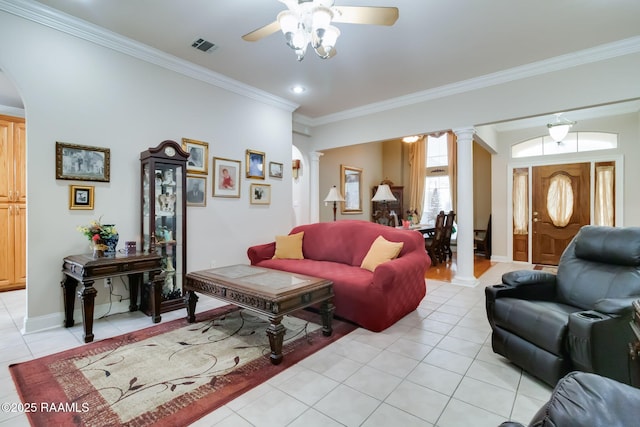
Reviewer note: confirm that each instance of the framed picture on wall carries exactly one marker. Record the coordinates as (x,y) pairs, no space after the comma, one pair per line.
(81,197)
(196,190)
(260,194)
(351,183)
(275,170)
(198,161)
(82,162)
(254,164)
(226,177)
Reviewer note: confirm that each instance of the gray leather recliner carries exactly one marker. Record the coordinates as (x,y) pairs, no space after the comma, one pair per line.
(588,400)
(578,319)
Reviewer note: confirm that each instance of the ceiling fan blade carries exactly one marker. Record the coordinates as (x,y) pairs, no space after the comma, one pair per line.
(365,15)
(261,32)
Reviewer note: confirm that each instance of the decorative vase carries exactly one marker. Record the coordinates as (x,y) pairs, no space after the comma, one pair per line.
(111,243)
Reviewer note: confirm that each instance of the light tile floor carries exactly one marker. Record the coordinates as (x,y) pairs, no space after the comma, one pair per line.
(435,367)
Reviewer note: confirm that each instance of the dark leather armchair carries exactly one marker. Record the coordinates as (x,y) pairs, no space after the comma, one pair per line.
(576,320)
(582,399)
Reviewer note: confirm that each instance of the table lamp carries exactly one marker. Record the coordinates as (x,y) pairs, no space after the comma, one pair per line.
(334,197)
(384,195)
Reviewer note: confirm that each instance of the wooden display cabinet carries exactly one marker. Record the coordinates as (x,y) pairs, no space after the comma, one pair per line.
(163,220)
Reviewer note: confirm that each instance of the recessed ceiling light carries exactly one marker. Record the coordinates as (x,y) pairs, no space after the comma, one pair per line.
(297,89)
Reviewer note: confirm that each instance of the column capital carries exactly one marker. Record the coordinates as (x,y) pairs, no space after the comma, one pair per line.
(315,156)
(465,133)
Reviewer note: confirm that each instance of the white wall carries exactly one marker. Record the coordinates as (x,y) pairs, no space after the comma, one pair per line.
(77,92)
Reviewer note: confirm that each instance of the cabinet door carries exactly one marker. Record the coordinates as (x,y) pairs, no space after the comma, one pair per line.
(6,160)
(6,246)
(20,245)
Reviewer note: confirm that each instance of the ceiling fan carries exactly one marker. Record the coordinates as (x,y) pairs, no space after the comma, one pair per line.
(309,22)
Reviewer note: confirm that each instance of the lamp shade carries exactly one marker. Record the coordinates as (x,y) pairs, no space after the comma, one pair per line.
(334,196)
(559,129)
(383,194)
(558,132)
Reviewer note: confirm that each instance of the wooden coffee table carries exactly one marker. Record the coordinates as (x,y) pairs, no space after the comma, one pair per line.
(272,293)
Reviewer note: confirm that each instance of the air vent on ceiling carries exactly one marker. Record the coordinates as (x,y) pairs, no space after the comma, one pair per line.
(203,45)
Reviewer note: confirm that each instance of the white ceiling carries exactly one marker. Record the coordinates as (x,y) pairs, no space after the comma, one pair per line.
(434,42)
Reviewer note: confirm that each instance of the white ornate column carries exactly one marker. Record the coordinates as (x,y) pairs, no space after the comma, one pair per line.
(314,186)
(464,211)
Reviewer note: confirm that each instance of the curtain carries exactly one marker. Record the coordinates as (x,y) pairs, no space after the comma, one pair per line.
(560,200)
(418,172)
(604,196)
(520,202)
(452,154)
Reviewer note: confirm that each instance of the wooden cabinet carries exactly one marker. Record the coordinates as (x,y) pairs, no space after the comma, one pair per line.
(164,220)
(13,203)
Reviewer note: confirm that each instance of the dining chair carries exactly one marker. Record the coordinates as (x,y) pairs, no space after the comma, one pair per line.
(433,243)
(482,240)
(446,239)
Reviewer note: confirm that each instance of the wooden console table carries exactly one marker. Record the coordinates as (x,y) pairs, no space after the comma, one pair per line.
(84,270)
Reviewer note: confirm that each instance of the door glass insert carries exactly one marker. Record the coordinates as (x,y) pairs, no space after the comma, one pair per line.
(560,200)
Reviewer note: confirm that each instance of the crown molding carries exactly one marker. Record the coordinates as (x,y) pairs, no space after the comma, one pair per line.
(586,56)
(52,18)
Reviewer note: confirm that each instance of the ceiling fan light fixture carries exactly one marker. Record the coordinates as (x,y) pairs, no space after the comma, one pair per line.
(321,18)
(301,52)
(309,22)
(290,27)
(328,42)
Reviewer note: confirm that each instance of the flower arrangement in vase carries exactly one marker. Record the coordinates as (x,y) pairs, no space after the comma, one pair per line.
(103,237)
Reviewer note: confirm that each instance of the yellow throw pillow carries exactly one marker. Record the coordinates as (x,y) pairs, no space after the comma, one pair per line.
(381,250)
(289,247)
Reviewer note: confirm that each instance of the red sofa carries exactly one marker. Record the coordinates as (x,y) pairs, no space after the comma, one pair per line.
(335,250)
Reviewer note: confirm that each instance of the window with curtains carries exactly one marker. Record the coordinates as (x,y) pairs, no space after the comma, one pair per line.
(437,189)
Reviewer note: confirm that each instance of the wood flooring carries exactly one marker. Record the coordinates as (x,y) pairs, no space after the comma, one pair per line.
(445,271)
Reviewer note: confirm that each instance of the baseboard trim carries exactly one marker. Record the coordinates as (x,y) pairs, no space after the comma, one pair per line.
(469,282)
(56,320)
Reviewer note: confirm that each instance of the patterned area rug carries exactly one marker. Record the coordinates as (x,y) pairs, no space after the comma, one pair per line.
(550,268)
(172,374)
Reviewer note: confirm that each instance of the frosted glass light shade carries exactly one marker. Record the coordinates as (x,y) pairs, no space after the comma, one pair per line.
(383,194)
(558,132)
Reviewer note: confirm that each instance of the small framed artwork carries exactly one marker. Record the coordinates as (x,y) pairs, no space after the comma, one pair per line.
(260,194)
(81,197)
(350,181)
(254,164)
(196,190)
(275,170)
(198,161)
(226,177)
(82,162)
